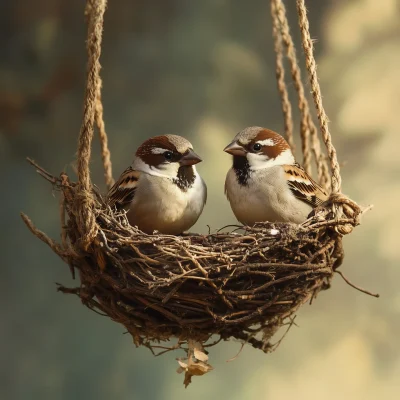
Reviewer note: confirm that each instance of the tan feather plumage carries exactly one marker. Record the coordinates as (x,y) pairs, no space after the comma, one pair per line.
(303,186)
(123,190)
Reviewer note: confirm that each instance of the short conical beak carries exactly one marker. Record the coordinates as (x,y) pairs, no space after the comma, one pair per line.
(190,158)
(235,149)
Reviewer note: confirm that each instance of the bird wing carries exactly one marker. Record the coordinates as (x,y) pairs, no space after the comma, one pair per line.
(303,186)
(123,191)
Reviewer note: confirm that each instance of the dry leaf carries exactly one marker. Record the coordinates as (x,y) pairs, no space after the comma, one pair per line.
(196,363)
(195,369)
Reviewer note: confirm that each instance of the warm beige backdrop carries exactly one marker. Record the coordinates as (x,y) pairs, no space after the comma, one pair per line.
(203,69)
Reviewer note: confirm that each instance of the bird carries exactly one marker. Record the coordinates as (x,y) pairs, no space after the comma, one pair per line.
(161,190)
(265,183)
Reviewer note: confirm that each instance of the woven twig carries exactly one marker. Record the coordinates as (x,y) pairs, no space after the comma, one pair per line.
(193,286)
(241,285)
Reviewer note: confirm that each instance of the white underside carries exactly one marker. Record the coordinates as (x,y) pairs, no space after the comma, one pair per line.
(160,205)
(265,198)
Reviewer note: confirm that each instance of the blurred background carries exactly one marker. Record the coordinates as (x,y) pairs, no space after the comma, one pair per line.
(205,70)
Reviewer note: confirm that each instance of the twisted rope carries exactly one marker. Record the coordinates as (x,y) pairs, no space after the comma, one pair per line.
(280,20)
(316,92)
(95,12)
(307,126)
(105,152)
(280,78)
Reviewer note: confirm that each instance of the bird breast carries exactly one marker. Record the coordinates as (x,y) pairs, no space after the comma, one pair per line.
(159,204)
(265,197)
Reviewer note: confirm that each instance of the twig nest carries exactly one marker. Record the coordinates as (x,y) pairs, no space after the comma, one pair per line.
(242,285)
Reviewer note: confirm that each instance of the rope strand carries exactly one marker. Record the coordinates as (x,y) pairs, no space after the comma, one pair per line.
(306,119)
(280,15)
(280,78)
(95,28)
(105,152)
(316,92)
(88,226)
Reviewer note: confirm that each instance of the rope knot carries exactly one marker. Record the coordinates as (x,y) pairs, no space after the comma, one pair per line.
(343,208)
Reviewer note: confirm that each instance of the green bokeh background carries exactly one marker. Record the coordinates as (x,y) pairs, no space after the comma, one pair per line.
(204,70)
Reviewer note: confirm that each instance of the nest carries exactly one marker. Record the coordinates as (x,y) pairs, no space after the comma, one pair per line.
(242,284)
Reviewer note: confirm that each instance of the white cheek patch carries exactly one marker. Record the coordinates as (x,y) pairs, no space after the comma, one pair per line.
(286,157)
(158,150)
(257,161)
(170,169)
(266,142)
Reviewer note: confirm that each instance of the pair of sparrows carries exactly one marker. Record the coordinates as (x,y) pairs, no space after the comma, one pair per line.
(163,192)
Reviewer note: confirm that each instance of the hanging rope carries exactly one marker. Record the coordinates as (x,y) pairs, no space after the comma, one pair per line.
(316,92)
(280,78)
(95,11)
(105,152)
(280,20)
(93,87)
(307,126)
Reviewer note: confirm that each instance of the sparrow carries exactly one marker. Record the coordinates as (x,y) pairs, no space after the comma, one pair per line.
(265,182)
(161,190)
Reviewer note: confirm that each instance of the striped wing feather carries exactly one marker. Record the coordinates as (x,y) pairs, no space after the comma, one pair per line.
(303,186)
(123,191)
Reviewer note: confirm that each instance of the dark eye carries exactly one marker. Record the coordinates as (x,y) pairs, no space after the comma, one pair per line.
(257,146)
(168,155)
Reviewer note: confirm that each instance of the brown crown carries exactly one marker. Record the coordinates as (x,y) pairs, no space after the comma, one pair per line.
(162,142)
